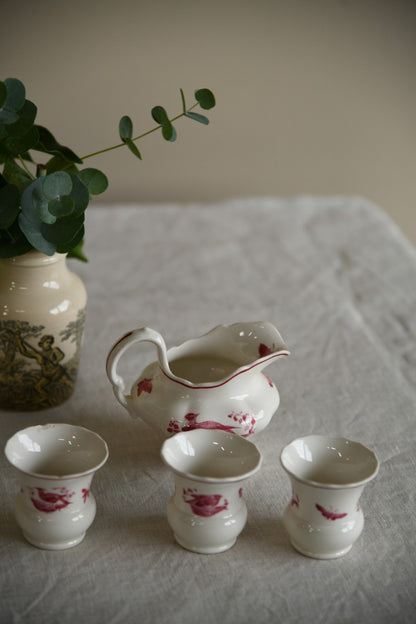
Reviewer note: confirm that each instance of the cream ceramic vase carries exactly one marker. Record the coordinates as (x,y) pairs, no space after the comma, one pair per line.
(42,317)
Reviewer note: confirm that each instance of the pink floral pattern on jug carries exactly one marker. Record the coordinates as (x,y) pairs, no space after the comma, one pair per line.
(205,505)
(265,350)
(145,385)
(245,424)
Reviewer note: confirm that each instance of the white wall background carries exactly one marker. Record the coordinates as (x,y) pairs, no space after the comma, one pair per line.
(314,96)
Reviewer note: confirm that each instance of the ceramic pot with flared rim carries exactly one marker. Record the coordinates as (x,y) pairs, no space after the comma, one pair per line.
(56,464)
(328,475)
(207,511)
(42,319)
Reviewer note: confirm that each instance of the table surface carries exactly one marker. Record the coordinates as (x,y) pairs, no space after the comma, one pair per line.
(338,279)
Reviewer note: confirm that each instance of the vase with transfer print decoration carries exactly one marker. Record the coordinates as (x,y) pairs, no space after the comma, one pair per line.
(42,317)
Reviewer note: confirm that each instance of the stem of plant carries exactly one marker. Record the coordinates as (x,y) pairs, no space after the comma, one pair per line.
(140,136)
(26,168)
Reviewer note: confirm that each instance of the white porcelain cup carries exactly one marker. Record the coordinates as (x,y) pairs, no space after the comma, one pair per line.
(328,474)
(207,511)
(56,464)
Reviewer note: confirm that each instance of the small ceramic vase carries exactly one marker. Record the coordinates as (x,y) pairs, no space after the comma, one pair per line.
(56,464)
(41,327)
(207,511)
(328,474)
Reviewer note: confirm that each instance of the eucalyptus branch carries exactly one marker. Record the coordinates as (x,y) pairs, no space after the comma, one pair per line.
(140,136)
(45,210)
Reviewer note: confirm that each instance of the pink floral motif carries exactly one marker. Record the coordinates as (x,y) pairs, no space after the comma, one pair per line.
(205,505)
(295,500)
(329,514)
(269,381)
(265,350)
(85,494)
(246,422)
(145,385)
(191,423)
(205,424)
(173,426)
(49,501)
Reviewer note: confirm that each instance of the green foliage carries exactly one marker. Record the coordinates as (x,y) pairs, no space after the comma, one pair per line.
(42,205)
(161,117)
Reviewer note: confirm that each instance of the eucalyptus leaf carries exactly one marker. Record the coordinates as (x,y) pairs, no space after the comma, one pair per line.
(9,205)
(159,114)
(33,202)
(8,116)
(3,94)
(94,179)
(47,143)
(16,145)
(183,101)
(31,226)
(25,121)
(78,252)
(63,231)
(133,148)
(59,163)
(80,195)
(169,133)
(13,242)
(16,93)
(125,128)
(56,184)
(13,102)
(61,207)
(197,117)
(72,242)
(28,201)
(40,203)
(206,98)
(44,213)
(14,174)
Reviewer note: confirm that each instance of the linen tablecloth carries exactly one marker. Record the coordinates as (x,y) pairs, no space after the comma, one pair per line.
(338,280)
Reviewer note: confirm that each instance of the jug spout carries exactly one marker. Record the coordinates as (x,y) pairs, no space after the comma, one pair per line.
(225,352)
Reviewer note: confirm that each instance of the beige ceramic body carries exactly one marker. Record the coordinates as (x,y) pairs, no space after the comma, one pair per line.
(215,381)
(328,475)
(42,318)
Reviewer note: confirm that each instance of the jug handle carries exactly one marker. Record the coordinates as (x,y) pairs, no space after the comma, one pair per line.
(143,334)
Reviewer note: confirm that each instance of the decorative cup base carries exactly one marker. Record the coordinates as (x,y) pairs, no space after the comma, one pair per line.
(205,550)
(54,545)
(322,555)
